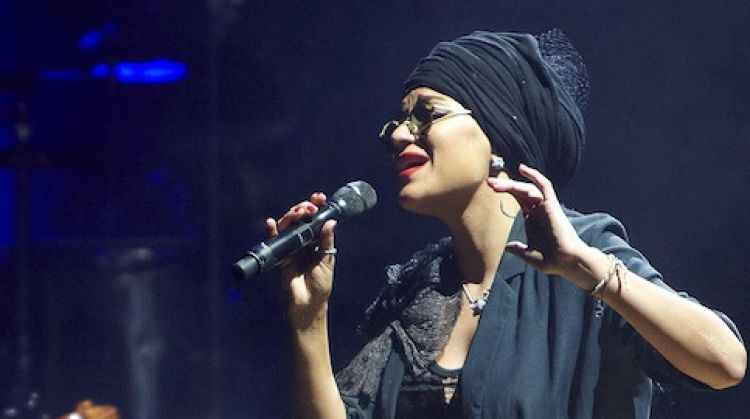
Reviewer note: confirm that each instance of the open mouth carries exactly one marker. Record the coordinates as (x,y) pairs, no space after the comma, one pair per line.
(408,163)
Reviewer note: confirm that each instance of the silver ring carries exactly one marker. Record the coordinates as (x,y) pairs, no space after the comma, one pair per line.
(332,251)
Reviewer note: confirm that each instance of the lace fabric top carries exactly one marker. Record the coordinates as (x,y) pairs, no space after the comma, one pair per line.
(430,395)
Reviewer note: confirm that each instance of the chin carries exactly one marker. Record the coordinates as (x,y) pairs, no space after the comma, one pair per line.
(407,201)
(412,199)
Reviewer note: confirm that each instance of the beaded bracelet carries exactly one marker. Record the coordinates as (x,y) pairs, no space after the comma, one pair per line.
(615,265)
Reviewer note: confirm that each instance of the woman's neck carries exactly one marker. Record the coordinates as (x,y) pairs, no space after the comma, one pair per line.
(480,232)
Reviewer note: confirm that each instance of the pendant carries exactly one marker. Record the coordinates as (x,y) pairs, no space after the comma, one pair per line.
(477,306)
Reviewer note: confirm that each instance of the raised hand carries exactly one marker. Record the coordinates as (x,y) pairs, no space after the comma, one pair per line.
(553,244)
(308,274)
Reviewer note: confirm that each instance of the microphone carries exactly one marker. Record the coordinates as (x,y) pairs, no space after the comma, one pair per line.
(350,200)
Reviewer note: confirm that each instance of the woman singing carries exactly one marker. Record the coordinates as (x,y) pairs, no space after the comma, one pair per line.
(527,309)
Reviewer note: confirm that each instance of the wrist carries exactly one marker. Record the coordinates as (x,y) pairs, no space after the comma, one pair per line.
(576,260)
(309,319)
(310,342)
(587,267)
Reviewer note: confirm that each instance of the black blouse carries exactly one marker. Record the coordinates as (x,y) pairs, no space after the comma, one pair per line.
(545,349)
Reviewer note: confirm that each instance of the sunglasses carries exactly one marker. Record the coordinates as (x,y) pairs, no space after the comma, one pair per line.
(423,115)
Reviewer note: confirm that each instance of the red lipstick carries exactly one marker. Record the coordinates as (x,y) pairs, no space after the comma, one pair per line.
(410,162)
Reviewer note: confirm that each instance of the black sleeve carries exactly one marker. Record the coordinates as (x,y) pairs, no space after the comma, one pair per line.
(608,235)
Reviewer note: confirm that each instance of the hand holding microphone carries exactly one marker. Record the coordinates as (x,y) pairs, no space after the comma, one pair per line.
(350,200)
(306,274)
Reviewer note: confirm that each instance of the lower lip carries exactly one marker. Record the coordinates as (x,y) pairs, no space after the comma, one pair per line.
(409,171)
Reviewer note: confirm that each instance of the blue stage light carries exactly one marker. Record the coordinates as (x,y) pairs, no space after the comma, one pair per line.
(90,41)
(100,71)
(150,72)
(93,39)
(144,72)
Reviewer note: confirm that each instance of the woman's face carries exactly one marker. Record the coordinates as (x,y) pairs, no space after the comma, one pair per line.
(442,166)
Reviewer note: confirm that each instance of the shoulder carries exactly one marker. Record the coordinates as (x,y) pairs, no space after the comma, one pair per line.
(590,227)
(608,234)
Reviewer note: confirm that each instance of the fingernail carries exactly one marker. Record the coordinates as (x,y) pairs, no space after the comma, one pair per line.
(517,245)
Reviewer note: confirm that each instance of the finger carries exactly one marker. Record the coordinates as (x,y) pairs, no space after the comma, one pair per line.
(527,194)
(541,181)
(326,243)
(318,198)
(271,227)
(287,219)
(515,188)
(528,255)
(326,236)
(296,213)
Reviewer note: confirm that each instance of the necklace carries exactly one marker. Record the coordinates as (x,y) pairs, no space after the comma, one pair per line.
(477,304)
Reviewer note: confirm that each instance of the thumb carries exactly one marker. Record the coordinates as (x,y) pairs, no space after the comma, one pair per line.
(533,257)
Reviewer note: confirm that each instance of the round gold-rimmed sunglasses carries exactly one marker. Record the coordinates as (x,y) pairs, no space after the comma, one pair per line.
(421,117)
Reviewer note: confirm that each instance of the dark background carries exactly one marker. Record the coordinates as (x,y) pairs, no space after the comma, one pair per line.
(125,205)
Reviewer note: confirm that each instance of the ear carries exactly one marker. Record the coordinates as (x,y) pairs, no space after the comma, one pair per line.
(497,165)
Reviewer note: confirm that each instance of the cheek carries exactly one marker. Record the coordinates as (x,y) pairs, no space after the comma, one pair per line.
(467,156)
(469,169)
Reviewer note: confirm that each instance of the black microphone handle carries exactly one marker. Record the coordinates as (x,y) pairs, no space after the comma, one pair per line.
(267,255)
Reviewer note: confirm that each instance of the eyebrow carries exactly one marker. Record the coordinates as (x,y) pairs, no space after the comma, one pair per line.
(424,98)
(430,97)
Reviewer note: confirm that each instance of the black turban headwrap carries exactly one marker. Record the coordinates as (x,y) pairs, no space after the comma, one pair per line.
(525,93)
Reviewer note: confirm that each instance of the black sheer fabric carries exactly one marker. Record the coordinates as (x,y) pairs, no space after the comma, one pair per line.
(417,311)
(430,395)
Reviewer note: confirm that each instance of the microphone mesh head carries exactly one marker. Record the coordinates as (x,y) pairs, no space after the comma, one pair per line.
(355,197)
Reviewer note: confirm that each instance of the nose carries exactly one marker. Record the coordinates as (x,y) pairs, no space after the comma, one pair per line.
(401,137)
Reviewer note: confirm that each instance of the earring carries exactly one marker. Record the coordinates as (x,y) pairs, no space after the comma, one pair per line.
(505,213)
(497,164)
